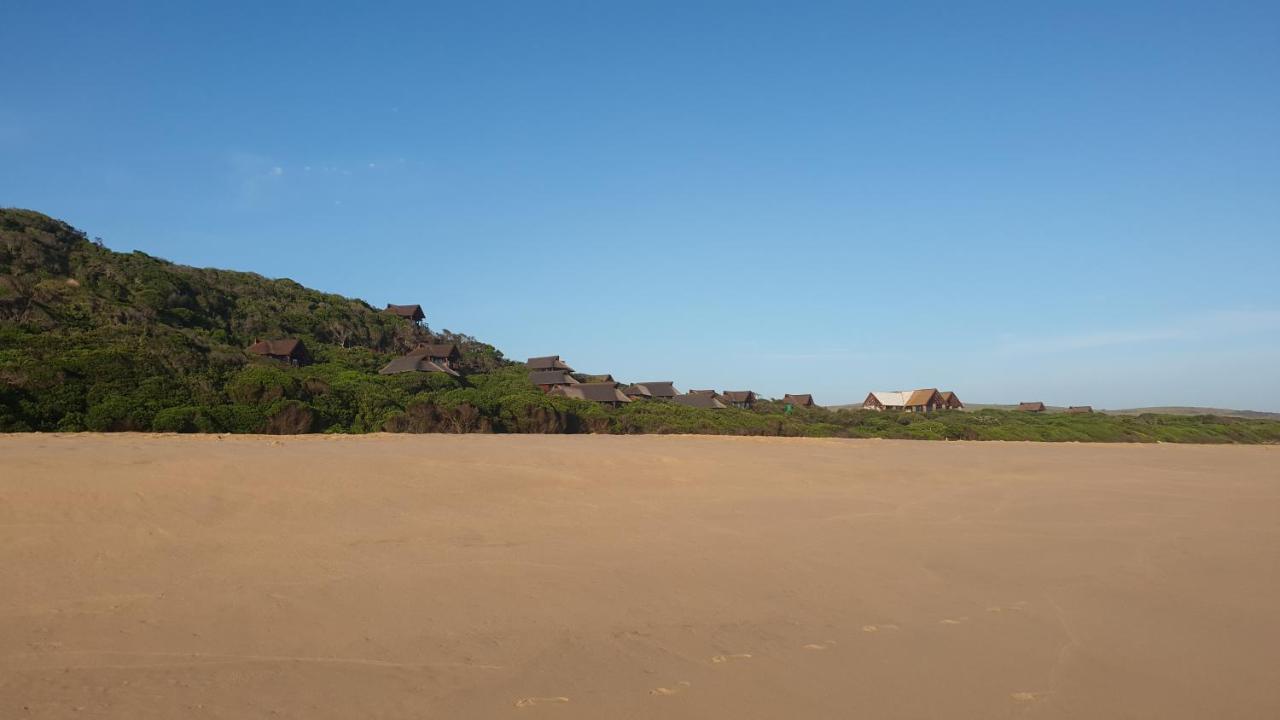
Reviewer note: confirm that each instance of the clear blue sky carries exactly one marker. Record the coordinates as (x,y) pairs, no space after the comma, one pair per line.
(1074,202)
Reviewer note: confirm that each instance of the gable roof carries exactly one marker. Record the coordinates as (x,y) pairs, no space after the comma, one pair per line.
(436,350)
(923,398)
(805,400)
(1036,406)
(892,398)
(548,362)
(589,378)
(662,389)
(409,312)
(551,377)
(1080,409)
(595,392)
(950,399)
(704,400)
(739,396)
(284,347)
(414,363)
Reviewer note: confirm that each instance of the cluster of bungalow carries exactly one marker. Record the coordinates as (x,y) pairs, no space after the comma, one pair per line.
(555,377)
(924,400)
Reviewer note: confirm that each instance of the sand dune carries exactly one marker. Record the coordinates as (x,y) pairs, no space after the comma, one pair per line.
(635,577)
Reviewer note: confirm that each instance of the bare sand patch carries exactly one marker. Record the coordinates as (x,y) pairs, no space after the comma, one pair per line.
(598,577)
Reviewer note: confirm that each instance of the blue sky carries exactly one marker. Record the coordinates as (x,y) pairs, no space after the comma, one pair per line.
(1074,202)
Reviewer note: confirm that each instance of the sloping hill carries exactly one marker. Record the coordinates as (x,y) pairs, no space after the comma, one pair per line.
(96,339)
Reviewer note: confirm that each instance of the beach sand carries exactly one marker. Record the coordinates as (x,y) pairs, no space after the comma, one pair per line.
(635,577)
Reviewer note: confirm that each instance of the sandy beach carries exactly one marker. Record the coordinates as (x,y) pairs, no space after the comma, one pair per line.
(635,577)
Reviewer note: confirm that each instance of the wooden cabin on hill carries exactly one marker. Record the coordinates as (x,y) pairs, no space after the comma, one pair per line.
(416,363)
(744,399)
(1080,409)
(412,313)
(805,401)
(546,380)
(286,350)
(548,362)
(704,399)
(446,354)
(923,400)
(950,401)
(585,378)
(1036,406)
(605,393)
(663,390)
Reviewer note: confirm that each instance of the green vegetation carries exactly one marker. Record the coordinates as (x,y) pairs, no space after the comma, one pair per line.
(92,339)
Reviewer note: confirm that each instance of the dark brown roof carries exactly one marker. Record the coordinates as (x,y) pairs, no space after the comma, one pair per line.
(1031,406)
(705,400)
(285,347)
(604,392)
(950,400)
(739,396)
(414,363)
(589,378)
(549,362)
(551,377)
(661,389)
(636,391)
(408,312)
(436,350)
(1080,409)
(805,400)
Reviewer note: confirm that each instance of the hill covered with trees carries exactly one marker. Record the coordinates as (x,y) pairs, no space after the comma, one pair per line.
(92,339)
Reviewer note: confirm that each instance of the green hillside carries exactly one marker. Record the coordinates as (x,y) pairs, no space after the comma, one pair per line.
(92,339)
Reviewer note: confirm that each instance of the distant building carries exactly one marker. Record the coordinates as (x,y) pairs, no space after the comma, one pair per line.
(605,393)
(445,354)
(287,350)
(416,363)
(412,313)
(805,400)
(548,362)
(950,401)
(548,379)
(1080,409)
(1031,406)
(924,400)
(705,399)
(744,399)
(664,390)
(589,378)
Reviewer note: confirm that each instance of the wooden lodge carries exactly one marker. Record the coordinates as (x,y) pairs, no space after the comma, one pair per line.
(446,354)
(1080,409)
(412,313)
(705,399)
(950,401)
(546,380)
(605,393)
(923,400)
(548,362)
(663,390)
(744,399)
(805,401)
(286,350)
(1036,406)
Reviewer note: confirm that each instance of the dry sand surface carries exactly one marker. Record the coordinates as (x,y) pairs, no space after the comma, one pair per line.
(635,577)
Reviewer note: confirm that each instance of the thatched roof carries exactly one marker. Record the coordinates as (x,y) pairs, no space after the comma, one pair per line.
(660,389)
(602,392)
(551,377)
(284,347)
(408,312)
(705,400)
(415,363)
(738,396)
(448,351)
(1080,409)
(548,362)
(805,400)
(923,398)
(1036,406)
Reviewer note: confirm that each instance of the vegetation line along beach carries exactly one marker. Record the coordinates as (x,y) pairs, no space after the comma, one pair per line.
(92,339)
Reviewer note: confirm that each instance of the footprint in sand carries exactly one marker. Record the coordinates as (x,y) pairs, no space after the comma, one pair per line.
(670,691)
(727,658)
(878,628)
(821,646)
(949,621)
(531,701)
